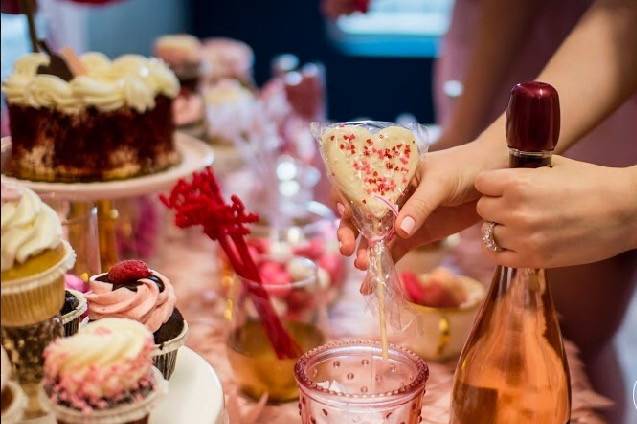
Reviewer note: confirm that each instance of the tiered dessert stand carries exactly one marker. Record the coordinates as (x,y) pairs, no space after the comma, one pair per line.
(195,394)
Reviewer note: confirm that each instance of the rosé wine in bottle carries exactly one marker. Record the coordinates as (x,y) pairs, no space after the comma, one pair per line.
(513,367)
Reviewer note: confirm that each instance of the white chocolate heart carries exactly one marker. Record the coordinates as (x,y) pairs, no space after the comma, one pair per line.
(370,167)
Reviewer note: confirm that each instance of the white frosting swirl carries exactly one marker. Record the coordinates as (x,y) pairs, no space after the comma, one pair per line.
(103,94)
(106,358)
(97,63)
(29,227)
(130,80)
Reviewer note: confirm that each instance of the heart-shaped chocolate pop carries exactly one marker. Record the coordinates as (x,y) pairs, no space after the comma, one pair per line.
(367,167)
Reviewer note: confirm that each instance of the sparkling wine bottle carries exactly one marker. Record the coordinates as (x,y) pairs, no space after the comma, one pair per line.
(513,367)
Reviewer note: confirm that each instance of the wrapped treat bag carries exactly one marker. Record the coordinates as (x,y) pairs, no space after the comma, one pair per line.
(373,166)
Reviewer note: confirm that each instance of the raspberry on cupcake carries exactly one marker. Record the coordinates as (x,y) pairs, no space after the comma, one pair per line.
(132,290)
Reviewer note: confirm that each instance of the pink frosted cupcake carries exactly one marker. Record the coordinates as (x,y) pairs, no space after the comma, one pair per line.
(227,58)
(103,374)
(183,54)
(131,290)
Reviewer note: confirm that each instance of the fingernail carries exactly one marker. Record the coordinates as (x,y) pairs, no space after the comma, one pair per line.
(340,208)
(340,245)
(408,224)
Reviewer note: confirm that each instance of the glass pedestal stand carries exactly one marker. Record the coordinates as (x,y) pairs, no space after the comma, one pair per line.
(25,345)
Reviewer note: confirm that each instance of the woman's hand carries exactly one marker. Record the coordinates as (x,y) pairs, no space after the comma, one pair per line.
(443,203)
(568,214)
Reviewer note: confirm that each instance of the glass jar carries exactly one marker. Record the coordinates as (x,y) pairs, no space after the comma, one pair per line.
(299,304)
(349,381)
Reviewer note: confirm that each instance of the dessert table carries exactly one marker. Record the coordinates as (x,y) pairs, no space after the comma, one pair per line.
(191,264)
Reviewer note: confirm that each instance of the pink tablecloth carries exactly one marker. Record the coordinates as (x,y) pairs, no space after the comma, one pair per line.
(190,263)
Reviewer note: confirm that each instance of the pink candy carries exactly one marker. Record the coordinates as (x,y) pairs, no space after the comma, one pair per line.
(74,282)
(275,278)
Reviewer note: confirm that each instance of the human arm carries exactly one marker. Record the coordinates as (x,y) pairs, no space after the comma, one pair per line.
(500,33)
(594,72)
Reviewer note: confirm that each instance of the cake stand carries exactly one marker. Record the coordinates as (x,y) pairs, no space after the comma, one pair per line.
(194,155)
(195,395)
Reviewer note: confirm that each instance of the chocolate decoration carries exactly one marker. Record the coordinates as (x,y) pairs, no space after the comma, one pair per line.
(28,7)
(57,65)
(103,278)
(157,280)
(132,285)
(533,117)
(70,303)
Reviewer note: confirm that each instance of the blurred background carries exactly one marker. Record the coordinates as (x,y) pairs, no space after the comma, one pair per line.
(360,52)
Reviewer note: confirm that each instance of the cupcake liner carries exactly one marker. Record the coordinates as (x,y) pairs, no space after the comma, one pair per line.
(13,413)
(117,415)
(165,355)
(71,321)
(37,297)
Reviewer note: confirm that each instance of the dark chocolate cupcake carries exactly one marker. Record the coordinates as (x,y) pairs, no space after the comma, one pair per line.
(72,311)
(131,290)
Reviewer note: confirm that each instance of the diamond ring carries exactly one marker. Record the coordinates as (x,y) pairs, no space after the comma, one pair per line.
(487,237)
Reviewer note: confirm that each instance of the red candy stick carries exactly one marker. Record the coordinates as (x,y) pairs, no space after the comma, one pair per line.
(201,203)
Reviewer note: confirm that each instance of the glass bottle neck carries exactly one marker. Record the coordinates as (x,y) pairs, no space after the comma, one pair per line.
(522,159)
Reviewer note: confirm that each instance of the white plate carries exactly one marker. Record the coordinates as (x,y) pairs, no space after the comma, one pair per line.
(194,155)
(195,395)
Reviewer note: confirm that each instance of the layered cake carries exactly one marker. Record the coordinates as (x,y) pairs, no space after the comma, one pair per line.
(112,120)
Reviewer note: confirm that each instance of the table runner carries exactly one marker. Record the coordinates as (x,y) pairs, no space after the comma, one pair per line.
(190,262)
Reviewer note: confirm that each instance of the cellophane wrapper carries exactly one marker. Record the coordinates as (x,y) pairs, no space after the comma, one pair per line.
(374,214)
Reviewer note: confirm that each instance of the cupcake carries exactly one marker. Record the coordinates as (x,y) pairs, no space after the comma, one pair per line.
(103,374)
(231,110)
(13,399)
(131,290)
(227,58)
(183,55)
(182,52)
(34,259)
(72,311)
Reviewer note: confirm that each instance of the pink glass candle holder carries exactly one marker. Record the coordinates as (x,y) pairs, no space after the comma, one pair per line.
(348,381)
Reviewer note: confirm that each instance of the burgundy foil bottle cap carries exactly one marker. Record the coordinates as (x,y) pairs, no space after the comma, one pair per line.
(533,117)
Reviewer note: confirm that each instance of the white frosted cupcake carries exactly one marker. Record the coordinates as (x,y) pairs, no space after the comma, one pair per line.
(230,111)
(103,374)
(34,258)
